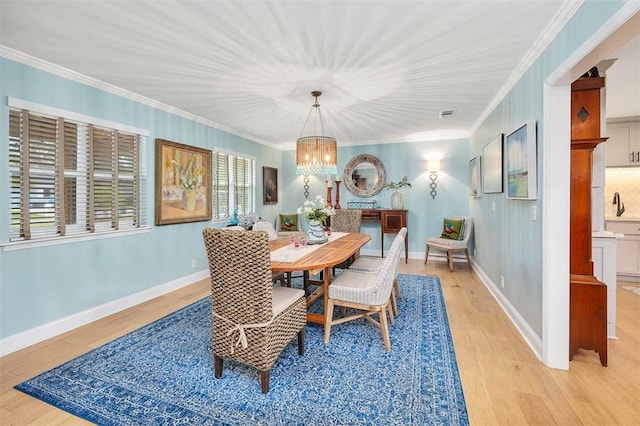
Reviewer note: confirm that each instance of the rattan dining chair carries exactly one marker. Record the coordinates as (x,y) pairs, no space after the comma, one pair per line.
(368,293)
(253,320)
(346,220)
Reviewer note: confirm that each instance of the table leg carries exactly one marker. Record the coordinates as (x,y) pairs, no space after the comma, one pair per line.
(319,318)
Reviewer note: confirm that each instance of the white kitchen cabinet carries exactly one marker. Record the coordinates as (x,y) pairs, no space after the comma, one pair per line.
(628,250)
(623,145)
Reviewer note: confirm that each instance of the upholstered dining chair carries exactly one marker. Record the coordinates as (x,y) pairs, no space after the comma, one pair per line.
(253,321)
(346,220)
(452,245)
(368,293)
(373,265)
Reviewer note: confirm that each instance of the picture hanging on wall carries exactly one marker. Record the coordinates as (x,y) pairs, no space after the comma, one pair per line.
(475,176)
(521,162)
(270,185)
(183,183)
(492,172)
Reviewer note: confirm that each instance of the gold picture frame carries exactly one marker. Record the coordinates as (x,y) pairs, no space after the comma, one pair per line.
(183,183)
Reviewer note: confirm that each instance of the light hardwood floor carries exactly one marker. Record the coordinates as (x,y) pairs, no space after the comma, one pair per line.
(503,382)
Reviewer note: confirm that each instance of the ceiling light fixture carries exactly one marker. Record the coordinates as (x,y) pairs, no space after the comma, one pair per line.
(315,155)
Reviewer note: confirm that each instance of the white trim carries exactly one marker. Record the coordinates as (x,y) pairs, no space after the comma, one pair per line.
(38,334)
(49,67)
(530,337)
(556,177)
(564,14)
(620,28)
(59,112)
(53,241)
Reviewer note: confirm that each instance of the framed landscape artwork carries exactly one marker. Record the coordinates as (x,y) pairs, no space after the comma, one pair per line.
(183,183)
(270,185)
(521,162)
(474,176)
(492,173)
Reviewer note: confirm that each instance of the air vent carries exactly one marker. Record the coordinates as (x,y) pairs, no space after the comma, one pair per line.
(445,113)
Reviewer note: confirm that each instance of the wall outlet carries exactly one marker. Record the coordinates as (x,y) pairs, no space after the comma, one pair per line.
(534,213)
(502,280)
(493,206)
(193,263)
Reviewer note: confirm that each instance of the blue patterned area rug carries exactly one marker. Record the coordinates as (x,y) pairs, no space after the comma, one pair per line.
(162,374)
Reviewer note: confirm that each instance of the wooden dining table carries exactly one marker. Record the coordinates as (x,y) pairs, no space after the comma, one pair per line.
(323,259)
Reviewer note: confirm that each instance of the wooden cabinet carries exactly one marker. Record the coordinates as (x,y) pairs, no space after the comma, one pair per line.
(628,252)
(623,146)
(390,223)
(588,295)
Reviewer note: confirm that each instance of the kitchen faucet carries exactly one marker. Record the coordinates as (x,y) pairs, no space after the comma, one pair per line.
(616,200)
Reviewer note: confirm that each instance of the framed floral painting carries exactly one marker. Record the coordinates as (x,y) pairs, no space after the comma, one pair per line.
(183,183)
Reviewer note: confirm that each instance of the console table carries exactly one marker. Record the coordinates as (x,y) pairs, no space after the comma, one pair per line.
(390,223)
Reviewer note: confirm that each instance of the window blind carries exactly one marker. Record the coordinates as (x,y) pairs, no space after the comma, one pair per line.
(233,184)
(69,177)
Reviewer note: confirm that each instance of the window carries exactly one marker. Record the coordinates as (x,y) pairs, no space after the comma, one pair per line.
(233,184)
(70,177)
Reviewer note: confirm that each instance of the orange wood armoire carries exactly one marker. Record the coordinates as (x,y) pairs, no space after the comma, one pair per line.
(588,295)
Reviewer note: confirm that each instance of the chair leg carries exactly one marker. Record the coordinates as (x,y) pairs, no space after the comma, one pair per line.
(301,342)
(396,286)
(384,327)
(394,303)
(328,317)
(390,310)
(450,258)
(264,380)
(466,251)
(426,254)
(217,364)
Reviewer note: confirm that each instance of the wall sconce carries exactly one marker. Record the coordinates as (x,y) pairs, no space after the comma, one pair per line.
(433,166)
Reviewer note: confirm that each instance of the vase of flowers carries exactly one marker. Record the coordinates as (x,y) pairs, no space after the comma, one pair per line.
(189,178)
(397,197)
(316,212)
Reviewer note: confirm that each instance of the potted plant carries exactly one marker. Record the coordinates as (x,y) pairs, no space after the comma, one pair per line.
(397,197)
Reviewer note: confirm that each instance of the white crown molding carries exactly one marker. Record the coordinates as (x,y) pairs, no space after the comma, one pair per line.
(560,19)
(23,58)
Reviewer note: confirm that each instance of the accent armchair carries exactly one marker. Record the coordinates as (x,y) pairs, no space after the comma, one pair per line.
(452,245)
(253,321)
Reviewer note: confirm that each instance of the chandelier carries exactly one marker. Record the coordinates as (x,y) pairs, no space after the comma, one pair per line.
(317,154)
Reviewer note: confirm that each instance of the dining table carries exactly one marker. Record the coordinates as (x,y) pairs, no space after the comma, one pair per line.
(313,259)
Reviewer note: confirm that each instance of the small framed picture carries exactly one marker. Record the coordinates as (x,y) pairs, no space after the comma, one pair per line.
(270,185)
(520,162)
(475,176)
(492,171)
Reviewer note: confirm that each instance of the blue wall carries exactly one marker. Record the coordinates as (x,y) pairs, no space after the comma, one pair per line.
(508,241)
(40,285)
(399,159)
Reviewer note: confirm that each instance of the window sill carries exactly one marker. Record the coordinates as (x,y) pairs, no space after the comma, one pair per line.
(45,242)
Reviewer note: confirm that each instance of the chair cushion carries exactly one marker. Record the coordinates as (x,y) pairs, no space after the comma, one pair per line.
(267,227)
(283,297)
(453,229)
(288,222)
(367,264)
(353,286)
(446,243)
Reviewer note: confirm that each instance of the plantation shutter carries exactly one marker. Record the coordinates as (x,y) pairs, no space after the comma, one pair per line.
(69,178)
(243,184)
(220,172)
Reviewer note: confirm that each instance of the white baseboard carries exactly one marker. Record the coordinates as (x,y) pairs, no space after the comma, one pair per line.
(38,334)
(530,337)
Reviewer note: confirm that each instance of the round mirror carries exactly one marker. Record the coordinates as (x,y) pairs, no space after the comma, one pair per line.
(364,175)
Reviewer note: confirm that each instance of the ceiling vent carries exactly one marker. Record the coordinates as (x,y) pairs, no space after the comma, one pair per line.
(445,113)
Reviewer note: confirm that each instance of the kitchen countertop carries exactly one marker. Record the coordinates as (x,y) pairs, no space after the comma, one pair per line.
(622,219)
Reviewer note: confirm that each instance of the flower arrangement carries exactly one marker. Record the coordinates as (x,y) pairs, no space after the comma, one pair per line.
(188,174)
(397,185)
(316,209)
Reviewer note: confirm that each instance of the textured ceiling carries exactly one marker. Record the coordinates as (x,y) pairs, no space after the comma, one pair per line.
(386,68)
